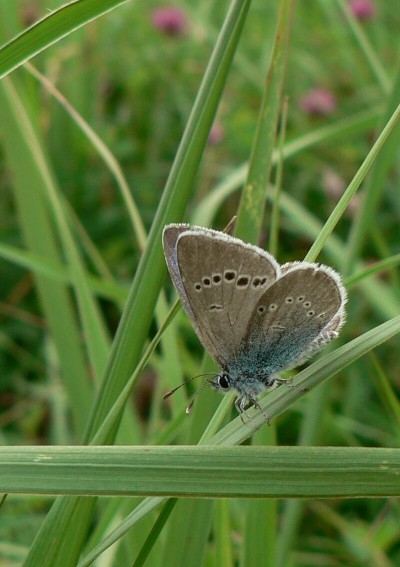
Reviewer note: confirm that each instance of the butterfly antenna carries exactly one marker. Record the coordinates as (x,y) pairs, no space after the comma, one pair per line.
(168,394)
(230,225)
(190,406)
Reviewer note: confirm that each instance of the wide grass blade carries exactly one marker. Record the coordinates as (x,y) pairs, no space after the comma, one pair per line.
(202,472)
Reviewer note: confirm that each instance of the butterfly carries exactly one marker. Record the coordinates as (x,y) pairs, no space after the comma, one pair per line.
(254,316)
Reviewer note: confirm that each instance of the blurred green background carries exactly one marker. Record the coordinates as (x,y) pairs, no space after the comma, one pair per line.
(133,75)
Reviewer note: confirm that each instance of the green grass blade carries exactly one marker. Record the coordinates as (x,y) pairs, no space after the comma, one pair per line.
(115,413)
(259,536)
(203,471)
(21,128)
(375,185)
(378,267)
(275,207)
(59,273)
(107,156)
(253,196)
(147,506)
(365,46)
(93,325)
(352,188)
(51,29)
(153,535)
(222,531)
(38,232)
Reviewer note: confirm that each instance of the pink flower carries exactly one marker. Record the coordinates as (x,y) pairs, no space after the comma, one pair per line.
(216,134)
(318,101)
(333,184)
(362,9)
(171,21)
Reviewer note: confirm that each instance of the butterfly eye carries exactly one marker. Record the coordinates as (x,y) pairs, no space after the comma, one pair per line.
(224,381)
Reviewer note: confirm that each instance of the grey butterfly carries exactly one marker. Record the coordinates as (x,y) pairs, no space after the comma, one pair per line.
(255,317)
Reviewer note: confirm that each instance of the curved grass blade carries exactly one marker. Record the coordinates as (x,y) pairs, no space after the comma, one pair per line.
(51,29)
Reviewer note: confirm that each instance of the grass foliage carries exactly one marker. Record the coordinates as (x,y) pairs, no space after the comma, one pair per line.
(115,119)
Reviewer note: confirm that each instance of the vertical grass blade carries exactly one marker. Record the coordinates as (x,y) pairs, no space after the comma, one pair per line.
(375,184)
(137,315)
(37,228)
(253,197)
(352,188)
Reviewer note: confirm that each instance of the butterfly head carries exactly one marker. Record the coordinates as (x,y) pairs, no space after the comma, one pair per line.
(223,382)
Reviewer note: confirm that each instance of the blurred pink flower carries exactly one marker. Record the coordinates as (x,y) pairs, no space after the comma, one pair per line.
(334,186)
(216,134)
(318,101)
(171,21)
(362,9)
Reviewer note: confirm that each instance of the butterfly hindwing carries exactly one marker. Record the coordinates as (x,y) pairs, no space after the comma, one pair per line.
(292,314)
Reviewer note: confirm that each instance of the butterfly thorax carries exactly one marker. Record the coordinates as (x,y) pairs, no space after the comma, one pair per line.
(249,383)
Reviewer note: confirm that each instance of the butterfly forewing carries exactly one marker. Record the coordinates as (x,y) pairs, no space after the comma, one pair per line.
(220,282)
(170,237)
(291,314)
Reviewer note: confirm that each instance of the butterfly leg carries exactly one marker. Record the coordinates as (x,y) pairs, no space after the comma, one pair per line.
(257,405)
(241,404)
(288,382)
